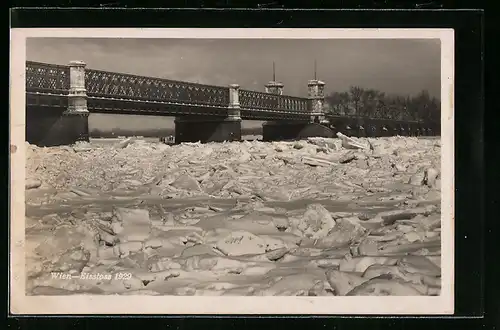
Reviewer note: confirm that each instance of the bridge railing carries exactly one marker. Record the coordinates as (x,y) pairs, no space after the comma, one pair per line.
(265,101)
(127,86)
(47,78)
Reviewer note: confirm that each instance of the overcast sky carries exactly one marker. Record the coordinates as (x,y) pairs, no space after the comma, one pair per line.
(393,66)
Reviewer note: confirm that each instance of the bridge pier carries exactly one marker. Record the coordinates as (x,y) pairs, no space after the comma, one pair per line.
(317,126)
(375,127)
(70,128)
(361,128)
(386,128)
(278,130)
(372,130)
(197,128)
(51,123)
(54,126)
(209,128)
(347,126)
(403,130)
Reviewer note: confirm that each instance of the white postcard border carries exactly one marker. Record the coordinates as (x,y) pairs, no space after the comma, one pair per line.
(22,304)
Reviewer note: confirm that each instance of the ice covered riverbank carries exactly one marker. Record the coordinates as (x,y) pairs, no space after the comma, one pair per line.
(246,218)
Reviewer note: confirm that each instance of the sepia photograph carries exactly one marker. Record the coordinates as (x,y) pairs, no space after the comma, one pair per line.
(292,171)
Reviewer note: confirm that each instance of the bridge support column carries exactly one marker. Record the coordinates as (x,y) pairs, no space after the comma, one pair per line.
(75,120)
(59,126)
(209,128)
(317,126)
(288,130)
(316,95)
(206,129)
(233,112)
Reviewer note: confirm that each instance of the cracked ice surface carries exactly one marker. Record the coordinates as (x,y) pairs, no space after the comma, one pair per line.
(312,217)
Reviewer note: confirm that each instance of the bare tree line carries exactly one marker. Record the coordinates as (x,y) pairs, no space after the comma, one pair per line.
(361,102)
